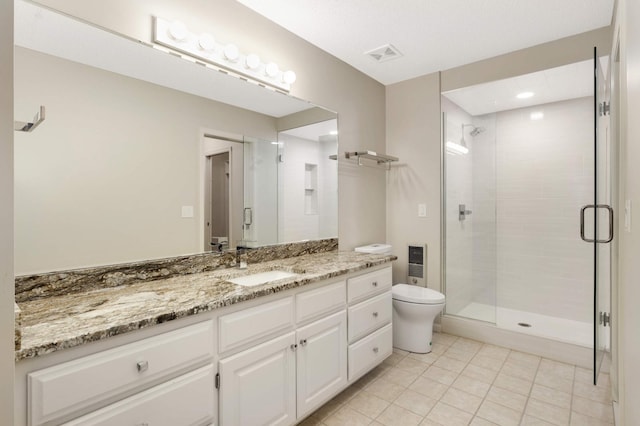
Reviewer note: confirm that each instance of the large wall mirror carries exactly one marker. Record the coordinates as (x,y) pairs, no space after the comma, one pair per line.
(145,155)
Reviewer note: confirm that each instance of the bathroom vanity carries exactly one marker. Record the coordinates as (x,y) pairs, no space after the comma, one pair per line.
(196,349)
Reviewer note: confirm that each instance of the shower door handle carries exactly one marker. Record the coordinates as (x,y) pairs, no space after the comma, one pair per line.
(596,207)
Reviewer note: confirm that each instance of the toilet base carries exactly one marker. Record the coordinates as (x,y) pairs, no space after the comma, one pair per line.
(413,326)
(417,340)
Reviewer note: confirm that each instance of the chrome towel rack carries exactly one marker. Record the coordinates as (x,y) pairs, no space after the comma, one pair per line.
(371,155)
(21,126)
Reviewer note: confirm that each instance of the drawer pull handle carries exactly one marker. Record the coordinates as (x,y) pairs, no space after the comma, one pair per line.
(303,342)
(375,350)
(142,366)
(375,315)
(294,347)
(375,283)
(143,424)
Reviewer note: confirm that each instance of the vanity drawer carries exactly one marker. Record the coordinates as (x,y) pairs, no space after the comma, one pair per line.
(187,400)
(370,351)
(367,285)
(369,315)
(72,386)
(321,301)
(249,325)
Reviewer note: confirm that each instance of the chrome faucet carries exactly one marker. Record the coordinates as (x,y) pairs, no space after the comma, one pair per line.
(241,257)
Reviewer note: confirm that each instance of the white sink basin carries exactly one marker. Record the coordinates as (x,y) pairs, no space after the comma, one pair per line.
(261,278)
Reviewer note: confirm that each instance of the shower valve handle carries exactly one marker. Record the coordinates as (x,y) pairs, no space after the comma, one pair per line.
(463,212)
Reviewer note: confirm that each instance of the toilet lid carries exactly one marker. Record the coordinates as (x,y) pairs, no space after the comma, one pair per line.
(416,294)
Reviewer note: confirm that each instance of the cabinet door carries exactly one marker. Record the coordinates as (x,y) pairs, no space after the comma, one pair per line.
(322,361)
(258,385)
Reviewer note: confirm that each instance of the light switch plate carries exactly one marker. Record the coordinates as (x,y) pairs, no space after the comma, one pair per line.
(422,210)
(187,211)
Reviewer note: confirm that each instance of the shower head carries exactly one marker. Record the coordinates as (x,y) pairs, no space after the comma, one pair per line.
(476,131)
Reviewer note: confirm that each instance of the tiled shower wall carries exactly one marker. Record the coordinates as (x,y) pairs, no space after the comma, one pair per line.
(544,175)
(525,181)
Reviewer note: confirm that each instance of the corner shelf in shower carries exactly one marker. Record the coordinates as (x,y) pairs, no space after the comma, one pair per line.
(371,155)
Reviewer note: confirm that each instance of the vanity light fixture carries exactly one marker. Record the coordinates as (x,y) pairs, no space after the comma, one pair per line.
(252,61)
(271,70)
(178,30)
(231,52)
(207,42)
(525,95)
(537,115)
(224,57)
(289,77)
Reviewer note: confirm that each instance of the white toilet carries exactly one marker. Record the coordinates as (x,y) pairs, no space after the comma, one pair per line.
(414,309)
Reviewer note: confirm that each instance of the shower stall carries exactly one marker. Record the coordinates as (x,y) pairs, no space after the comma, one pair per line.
(525,194)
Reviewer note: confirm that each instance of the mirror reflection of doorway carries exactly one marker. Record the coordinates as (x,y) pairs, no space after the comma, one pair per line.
(217,184)
(222,181)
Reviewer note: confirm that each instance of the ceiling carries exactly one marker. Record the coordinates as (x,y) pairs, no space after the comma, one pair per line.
(431,35)
(551,85)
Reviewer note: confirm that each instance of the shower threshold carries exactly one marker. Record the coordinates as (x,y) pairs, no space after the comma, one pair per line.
(561,329)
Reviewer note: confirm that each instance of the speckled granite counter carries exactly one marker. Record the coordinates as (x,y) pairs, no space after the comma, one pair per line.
(51,323)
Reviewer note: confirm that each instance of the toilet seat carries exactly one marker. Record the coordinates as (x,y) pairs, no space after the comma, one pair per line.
(416,294)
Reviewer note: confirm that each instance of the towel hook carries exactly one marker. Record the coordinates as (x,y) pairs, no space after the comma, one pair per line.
(21,126)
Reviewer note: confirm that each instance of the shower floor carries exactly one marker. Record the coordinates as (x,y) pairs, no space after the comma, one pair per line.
(561,329)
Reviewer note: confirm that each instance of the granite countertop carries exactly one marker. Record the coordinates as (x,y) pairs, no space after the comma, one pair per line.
(49,324)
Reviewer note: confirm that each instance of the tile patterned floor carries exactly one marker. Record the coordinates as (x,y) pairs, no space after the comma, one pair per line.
(465,382)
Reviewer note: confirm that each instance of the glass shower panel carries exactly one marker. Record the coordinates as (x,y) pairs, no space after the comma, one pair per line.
(470,215)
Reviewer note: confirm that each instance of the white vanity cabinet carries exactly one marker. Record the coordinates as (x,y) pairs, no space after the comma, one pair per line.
(61,391)
(287,377)
(370,312)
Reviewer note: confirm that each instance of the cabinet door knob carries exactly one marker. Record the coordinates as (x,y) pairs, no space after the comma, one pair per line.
(303,342)
(142,366)
(375,315)
(374,283)
(375,350)
(294,347)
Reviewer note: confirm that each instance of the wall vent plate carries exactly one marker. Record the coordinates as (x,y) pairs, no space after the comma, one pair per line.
(417,256)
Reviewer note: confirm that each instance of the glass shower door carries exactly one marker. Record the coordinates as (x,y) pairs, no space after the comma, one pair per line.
(603,220)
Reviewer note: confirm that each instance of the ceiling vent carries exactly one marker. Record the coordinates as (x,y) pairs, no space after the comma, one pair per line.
(384,53)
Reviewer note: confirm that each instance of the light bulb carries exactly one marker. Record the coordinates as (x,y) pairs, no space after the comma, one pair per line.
(272,69)
(525,95)
(206,42)
(231,52)
(178,30)
(252,61)
(289,77)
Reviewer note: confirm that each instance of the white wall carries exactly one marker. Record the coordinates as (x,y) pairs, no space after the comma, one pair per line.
(6,212)
(322,79)
(413,135)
